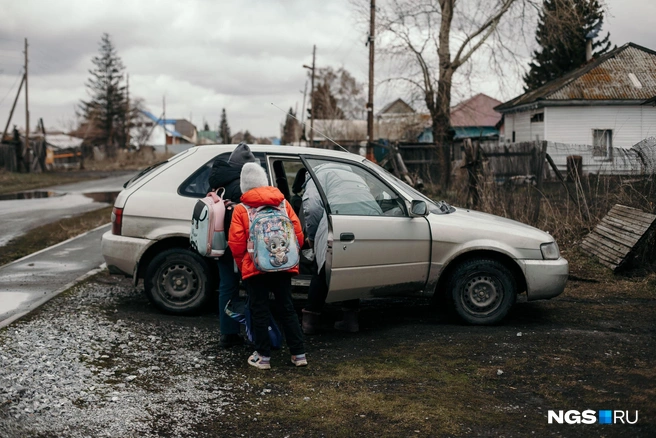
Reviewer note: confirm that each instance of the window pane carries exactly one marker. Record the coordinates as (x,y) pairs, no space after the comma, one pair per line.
(352,190)
(602,142)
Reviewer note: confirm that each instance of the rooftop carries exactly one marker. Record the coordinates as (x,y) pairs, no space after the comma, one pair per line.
(627,73)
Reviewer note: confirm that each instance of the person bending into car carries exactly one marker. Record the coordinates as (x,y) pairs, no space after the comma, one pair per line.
(258,193)
(226,174)
(349,194)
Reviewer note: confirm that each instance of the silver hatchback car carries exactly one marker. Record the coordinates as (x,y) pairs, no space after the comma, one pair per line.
(478,262)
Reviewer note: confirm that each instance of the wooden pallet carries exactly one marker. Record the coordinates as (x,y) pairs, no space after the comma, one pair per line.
(618,235)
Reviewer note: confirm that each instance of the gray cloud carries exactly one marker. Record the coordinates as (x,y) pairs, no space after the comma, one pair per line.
(204,55)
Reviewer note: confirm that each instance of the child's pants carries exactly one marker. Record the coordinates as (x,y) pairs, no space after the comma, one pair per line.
(258,287)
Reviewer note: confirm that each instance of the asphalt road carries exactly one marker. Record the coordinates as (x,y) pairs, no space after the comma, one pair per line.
(29,282)
(19,216)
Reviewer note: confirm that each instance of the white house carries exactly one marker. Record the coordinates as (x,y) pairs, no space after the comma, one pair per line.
(607,103)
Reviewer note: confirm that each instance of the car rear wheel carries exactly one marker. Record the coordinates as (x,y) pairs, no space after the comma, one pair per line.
(177,282)
(482,291)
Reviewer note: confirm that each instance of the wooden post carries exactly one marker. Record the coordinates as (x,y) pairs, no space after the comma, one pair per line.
(538,178)
(27,155)
(13,107)
(44,147)
(472,163)
(370,103)
(562,181)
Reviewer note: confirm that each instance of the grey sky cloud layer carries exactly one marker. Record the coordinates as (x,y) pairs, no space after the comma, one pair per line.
(204,55)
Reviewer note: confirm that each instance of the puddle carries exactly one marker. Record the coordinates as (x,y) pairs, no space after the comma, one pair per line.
(106,197)
(12,300)
(36,194)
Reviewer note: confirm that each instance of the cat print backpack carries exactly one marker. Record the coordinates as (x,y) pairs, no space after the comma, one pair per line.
(272,243)
(207,235)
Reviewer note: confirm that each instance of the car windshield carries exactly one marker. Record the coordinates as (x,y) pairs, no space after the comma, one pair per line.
(436,207)
(148,169)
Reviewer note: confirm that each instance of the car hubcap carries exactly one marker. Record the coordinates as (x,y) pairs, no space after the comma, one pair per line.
(178,283)
(482,294)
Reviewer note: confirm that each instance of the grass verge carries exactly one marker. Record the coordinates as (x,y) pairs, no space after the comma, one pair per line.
(51,234)
(19,182)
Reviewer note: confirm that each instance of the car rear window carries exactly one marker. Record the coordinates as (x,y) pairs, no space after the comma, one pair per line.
(149,169)
(197,185)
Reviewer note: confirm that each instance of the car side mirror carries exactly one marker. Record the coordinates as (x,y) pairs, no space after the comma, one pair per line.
(419,208)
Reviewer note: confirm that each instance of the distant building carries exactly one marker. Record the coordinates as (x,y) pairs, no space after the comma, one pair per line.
(476,118)
(174,135)
(609,102)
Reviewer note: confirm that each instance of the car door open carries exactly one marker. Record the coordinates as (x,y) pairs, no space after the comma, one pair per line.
(374,247)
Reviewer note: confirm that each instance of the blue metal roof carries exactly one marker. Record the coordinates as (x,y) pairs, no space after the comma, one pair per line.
(474,132)
(163,123)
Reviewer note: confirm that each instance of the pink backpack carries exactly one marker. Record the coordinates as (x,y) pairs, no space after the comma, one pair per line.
(207,235)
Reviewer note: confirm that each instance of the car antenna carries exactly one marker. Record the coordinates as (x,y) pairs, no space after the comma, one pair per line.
(314,129)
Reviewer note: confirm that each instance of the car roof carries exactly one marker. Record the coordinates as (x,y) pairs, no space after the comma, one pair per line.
(275,149)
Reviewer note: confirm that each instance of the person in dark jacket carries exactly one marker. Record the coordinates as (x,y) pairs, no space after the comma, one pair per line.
(227,174)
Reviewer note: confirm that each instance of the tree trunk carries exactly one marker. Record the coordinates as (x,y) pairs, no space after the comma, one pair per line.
(441,112)
(441,116)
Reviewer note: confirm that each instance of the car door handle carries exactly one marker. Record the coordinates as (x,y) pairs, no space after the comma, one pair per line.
(347,237)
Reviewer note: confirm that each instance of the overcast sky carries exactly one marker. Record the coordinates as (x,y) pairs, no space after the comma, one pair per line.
(204,55)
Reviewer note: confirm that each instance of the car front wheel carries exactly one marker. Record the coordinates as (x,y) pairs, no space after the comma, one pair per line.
(482,291)
(176,281)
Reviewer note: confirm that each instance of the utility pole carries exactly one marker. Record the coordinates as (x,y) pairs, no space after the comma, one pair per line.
(27,118)
(303,113)
(13,107)
(370,103)
(314,53)
(127,113)
(166,145)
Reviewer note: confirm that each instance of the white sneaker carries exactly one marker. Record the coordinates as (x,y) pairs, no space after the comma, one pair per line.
(299,361)
(258,361)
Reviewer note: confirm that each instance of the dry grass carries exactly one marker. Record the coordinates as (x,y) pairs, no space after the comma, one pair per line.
(18,182)
(424,389)
(568,220)
(126,160)
(48,235)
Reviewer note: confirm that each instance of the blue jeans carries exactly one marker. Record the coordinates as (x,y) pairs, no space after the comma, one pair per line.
(228,289)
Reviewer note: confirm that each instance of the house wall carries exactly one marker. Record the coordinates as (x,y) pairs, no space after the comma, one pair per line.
(524,129)
(574,125)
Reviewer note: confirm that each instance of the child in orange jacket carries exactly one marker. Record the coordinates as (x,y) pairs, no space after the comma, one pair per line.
(257,193)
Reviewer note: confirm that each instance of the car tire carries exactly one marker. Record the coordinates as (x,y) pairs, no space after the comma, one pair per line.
(177,282)
(482,291)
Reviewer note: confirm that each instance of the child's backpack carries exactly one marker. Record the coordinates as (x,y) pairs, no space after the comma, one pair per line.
(272,244)
(207,235)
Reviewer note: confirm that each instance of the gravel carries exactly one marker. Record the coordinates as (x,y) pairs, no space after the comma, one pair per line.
(74,369)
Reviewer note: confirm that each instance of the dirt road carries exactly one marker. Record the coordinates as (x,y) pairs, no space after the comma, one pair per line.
(131,371)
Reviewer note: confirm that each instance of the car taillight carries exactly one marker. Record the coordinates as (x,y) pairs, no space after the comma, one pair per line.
(117,220)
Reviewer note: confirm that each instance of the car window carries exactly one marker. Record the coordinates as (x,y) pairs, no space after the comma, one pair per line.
(439,207)
(149,169)
(352,190)
(198,185)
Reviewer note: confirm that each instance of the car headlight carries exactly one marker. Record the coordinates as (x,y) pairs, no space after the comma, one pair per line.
(550,251)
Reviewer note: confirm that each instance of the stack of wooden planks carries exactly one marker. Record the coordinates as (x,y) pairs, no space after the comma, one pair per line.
(618,235)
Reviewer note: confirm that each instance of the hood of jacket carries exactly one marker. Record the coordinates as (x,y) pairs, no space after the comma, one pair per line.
(225,174)
(261,196)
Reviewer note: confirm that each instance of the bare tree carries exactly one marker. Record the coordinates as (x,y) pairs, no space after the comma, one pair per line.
(338,95)
(436,38)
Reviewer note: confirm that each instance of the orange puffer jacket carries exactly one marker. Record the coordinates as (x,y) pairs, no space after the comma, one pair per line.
(240,225)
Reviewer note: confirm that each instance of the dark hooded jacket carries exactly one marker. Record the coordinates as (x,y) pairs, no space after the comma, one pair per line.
(226,176)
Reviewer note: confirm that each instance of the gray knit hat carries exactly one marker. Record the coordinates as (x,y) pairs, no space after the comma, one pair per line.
(242,155)
(252,177)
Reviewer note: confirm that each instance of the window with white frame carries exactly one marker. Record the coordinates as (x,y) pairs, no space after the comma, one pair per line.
(602,143)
